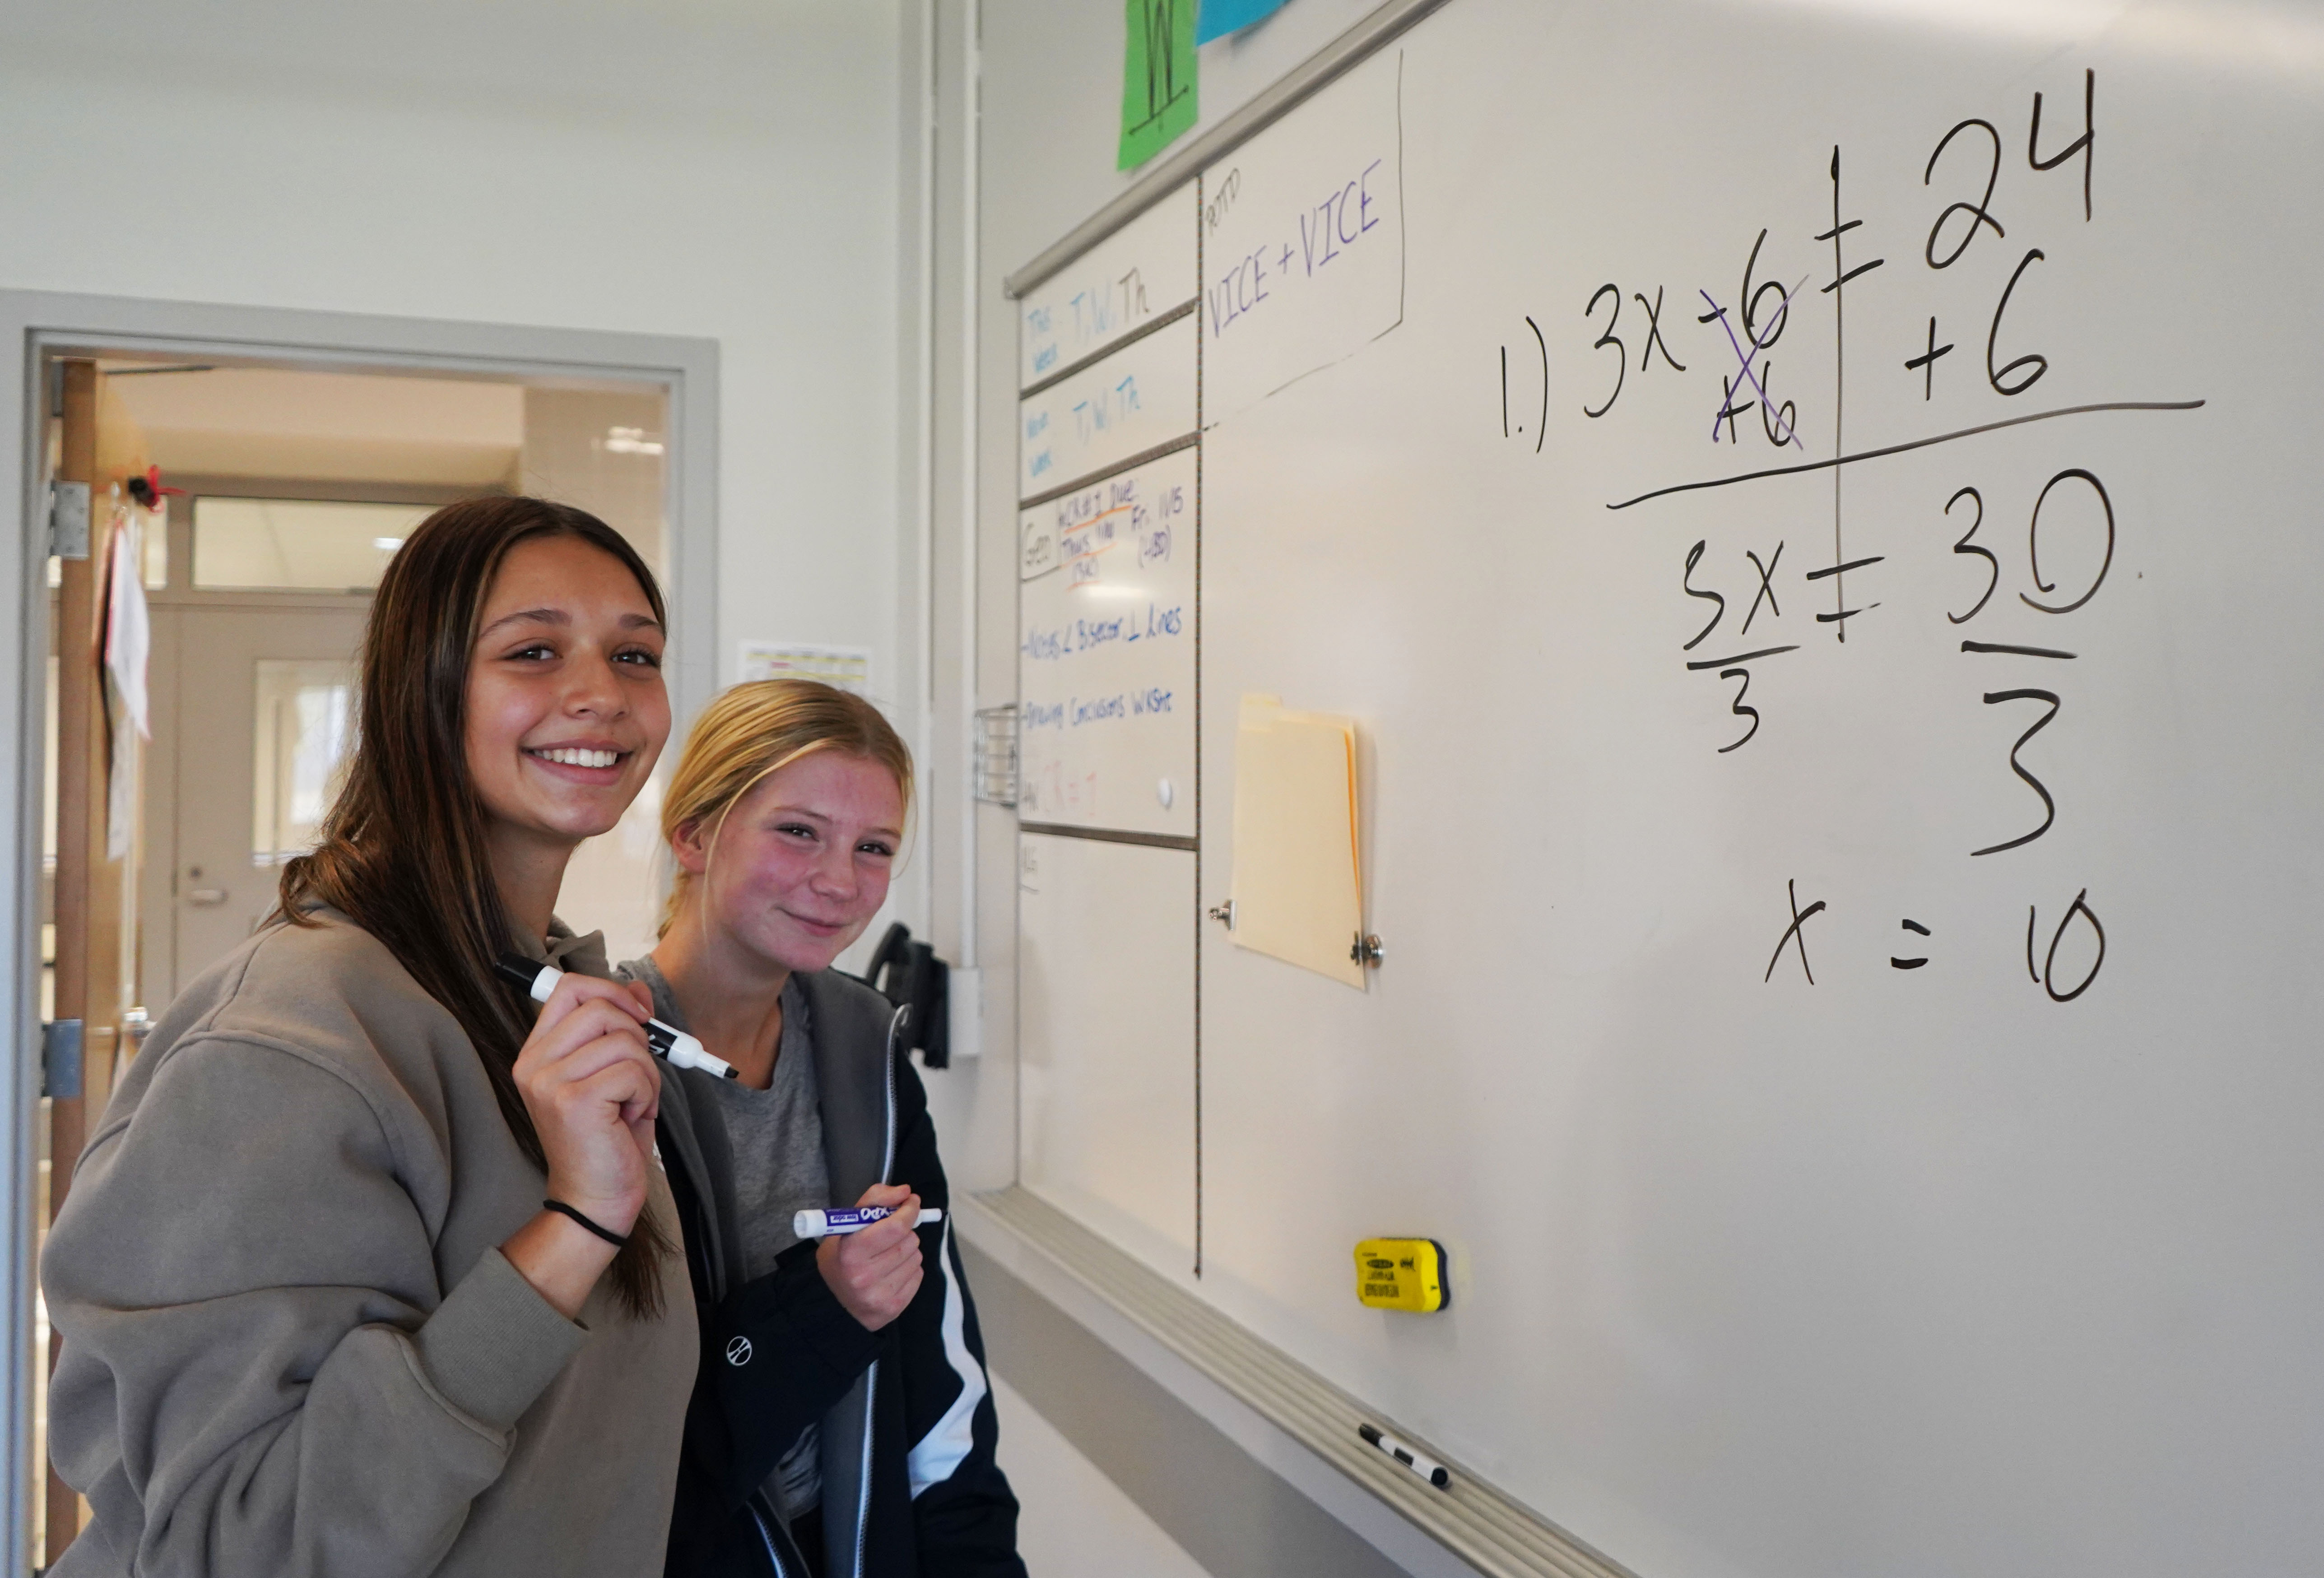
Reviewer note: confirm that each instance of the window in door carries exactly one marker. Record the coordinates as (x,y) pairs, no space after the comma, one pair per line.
(305,736)
(296,545)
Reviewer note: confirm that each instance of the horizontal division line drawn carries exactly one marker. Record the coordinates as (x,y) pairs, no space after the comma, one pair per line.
(1854,564)
(2014,651)
(1742,656)
(1888,449)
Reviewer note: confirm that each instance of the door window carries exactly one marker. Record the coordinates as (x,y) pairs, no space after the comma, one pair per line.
(291,545)
(306,732)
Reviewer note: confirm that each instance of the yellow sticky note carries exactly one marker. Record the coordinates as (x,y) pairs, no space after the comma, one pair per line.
(1297,890)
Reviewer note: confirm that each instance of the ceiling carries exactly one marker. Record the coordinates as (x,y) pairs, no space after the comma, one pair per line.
(277,423)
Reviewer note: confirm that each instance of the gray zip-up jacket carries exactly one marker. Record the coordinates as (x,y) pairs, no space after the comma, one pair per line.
(291,1346)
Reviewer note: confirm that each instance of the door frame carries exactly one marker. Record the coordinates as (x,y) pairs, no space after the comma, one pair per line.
(46,325)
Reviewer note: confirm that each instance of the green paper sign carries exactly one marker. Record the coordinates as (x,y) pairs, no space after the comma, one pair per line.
(1157,78)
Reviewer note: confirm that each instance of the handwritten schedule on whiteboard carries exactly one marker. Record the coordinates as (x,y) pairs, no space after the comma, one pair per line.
(1133,400)
(1106,661)
(1113,290)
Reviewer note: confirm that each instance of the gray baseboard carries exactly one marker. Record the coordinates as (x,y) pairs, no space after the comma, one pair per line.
(1231,1513)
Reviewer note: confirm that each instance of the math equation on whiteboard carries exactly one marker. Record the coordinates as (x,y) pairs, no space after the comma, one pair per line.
(1766,359)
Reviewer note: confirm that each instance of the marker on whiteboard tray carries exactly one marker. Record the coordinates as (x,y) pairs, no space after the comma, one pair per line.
(855,1219)
(1426,1467)
(667,1040)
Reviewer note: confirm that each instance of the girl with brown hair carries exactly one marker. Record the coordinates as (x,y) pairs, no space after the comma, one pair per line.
(843,1420)
(362,1273)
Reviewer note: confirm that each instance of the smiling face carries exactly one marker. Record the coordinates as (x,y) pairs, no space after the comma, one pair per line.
(566,709)
(802,861)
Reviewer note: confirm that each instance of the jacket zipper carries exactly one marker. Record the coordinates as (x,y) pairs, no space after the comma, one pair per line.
(864,1488)
(774,1558)
(871,1375)
(888,1151)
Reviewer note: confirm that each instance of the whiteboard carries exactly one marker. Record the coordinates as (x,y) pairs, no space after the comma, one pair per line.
(1105,1040)
(1135,400)
(1106,653)
(1140,273)
(1852,1027)
(1303,238)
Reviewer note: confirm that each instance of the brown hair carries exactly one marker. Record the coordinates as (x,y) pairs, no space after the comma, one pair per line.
(403,850)
(761,727)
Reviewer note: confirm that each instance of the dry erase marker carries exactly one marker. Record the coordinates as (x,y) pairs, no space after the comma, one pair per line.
(832,1223)
(1426,1467)
(667,1040)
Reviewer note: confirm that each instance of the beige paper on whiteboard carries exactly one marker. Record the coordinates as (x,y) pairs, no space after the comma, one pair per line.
(1296,893)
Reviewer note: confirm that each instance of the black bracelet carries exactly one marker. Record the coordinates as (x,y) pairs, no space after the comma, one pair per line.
(614,1238)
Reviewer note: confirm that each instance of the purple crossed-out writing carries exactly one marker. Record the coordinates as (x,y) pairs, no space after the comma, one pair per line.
(1750,375)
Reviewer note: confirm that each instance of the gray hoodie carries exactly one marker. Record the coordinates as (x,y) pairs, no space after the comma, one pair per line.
(291,1346)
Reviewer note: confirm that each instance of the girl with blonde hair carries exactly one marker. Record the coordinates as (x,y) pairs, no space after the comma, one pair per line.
(842,1421)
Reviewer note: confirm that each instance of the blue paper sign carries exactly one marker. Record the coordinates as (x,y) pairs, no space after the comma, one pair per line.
(1222,17)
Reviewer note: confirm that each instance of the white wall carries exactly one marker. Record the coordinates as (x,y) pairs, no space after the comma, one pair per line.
(727,169)
(1052,112)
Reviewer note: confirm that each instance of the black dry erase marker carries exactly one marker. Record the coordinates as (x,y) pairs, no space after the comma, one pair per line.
(1426,1467)
(540,980)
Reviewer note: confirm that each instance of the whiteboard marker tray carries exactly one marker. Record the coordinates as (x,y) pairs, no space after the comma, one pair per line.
(1485,1527)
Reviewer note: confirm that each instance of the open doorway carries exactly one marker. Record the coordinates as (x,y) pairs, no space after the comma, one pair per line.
(247,503)
(287,492)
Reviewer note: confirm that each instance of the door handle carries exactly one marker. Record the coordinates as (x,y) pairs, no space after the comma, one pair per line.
(205,897)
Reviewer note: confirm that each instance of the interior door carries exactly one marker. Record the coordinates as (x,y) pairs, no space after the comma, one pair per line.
(98,853)
(263,717)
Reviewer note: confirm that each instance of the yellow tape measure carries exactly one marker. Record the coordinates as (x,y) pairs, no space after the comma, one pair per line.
(1402,1273)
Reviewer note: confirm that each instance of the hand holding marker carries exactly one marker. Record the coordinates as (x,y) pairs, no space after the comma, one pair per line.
(669,1042)
(835,1223)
